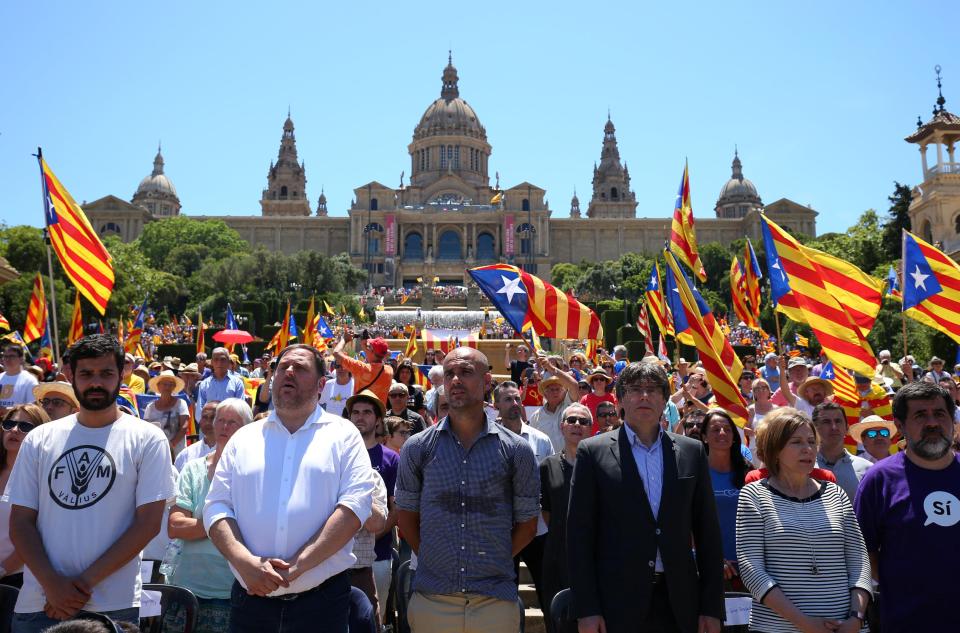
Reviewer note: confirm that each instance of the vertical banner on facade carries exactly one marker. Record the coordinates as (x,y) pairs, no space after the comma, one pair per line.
(509,233)
(391,234)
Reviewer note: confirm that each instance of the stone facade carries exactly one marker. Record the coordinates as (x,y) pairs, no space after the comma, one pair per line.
(449,216)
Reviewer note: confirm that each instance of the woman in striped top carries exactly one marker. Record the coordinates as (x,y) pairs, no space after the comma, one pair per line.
(799,545)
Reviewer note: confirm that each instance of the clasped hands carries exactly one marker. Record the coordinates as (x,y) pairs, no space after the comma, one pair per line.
(262,576)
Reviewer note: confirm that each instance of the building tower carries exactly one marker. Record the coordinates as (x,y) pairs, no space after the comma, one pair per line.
(156,192)
(935,206)
(322,204)
(286,192)
(739,195)
(612,197)
(449,139)
(575,205)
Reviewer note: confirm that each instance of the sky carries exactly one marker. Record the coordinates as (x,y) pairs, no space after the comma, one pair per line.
(817,97)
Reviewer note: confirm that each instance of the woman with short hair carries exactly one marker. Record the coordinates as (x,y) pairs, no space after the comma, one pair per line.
(16,423)
(799,546)
(202,568)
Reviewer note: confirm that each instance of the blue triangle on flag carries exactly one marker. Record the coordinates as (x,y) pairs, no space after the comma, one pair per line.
(919,281)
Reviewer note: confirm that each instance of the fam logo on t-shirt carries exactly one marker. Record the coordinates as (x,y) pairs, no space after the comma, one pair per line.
(81,476)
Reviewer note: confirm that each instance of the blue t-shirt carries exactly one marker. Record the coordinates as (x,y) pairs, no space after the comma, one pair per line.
(772,376)
(386,462)
(726,496)
(910,517)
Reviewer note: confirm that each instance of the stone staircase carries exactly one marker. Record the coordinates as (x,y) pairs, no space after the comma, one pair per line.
(533,615)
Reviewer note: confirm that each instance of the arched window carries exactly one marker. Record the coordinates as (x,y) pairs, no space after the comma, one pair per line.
(413,246)
(926,231)
(525,205)
(956,225)
(485,250)
(110,228)
(283,192)
(450,246)
(374,204)
(443,158)
(614,195)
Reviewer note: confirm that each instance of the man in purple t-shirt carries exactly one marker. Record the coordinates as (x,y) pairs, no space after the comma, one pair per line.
(366,411)
(909,511)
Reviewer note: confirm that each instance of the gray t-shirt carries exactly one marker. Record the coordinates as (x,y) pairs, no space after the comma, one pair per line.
(848,470)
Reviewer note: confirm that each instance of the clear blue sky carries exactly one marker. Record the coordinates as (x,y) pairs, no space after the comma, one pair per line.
(817,97)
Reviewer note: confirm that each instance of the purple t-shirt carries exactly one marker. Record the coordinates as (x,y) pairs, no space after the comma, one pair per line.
(910,517)
(386,462)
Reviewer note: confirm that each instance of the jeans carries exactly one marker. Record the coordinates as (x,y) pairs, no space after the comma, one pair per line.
(37,622)
(324,608)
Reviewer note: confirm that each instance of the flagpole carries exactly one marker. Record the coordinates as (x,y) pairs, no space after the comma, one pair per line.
(776,319)
(46,241)
(903,324)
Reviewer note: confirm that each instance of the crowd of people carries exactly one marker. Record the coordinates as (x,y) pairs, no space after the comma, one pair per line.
(291,505)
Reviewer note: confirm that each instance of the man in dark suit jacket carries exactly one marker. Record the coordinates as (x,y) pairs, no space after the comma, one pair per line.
(641,500)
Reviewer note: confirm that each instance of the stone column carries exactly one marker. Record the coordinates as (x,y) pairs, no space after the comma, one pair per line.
(939,153)
(923,159)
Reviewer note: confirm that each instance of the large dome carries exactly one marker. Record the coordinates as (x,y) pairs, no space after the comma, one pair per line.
(449,115)
(157,181)
(738,188)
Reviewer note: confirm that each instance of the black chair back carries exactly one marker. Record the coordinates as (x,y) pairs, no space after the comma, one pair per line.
(523,614)
(561,612)
(8,600)
(172,598)
(403,590)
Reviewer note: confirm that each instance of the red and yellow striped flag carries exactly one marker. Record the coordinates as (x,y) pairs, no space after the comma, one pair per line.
(835,298)
(658,307)
(83,256)
(683,235)
(738,294)
(721,380)
(201,330)
(752,275)
(4,324)
(643,325)
(411,344)
(36,312)
(76,323)
(310,327)
(283,336)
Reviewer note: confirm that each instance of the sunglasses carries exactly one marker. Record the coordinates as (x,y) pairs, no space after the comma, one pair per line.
(608,414)
(875,433)
(578,420)
(23,427)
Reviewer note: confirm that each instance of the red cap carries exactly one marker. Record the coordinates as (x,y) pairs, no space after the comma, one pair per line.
(379,346)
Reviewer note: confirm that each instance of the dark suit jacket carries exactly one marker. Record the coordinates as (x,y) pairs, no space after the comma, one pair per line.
(612,535)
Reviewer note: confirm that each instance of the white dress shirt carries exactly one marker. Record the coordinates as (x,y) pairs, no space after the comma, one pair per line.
(281,488)
(542,448)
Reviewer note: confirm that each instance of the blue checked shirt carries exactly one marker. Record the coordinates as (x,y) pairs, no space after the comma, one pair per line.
(469,501)
(650,464)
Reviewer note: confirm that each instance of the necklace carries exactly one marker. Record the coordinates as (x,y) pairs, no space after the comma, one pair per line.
(797,516)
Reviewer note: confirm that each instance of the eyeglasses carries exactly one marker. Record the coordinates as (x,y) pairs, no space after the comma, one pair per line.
(54,402)
(690,425)
(578,420)
(875,433)
(608,414)
(23,427)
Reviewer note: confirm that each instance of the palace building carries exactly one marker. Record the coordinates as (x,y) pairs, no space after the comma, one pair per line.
(449,216)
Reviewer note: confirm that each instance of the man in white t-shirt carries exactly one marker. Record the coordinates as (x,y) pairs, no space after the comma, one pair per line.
(16,385)
(88,493)
(334,396)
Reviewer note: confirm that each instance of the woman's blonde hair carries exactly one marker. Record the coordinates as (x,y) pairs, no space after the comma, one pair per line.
(775,430)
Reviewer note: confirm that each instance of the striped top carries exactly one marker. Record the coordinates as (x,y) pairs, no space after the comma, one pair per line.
(779,541)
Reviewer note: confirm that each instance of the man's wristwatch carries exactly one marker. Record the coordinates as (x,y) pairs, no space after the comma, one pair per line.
(860,615)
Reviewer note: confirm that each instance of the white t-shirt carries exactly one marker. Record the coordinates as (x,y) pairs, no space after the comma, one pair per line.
(16,389)
(168,421)
(334,396)
(86,485)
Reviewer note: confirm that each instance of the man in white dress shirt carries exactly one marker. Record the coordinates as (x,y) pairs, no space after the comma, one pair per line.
(288,495)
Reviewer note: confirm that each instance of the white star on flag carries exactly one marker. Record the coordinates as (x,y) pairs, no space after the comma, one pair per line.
(919,278)
(777,266)
(510,288)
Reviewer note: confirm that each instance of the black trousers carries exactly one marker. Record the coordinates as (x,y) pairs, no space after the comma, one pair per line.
(532,555)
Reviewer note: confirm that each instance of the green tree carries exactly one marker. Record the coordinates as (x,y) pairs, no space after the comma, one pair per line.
(23,247)
(897,221)
(159,239)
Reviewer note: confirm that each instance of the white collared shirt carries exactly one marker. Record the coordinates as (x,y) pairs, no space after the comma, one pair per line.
(542,448)
(281,488)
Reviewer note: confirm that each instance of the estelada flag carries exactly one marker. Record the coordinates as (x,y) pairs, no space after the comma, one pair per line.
(658,307)
(931,286)
(753,275)
(835,298)
(683,235)
(201,329)
(83,256)
(525,299)
(36,312)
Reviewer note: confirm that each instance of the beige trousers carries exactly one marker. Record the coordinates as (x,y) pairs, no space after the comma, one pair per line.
(462,613)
